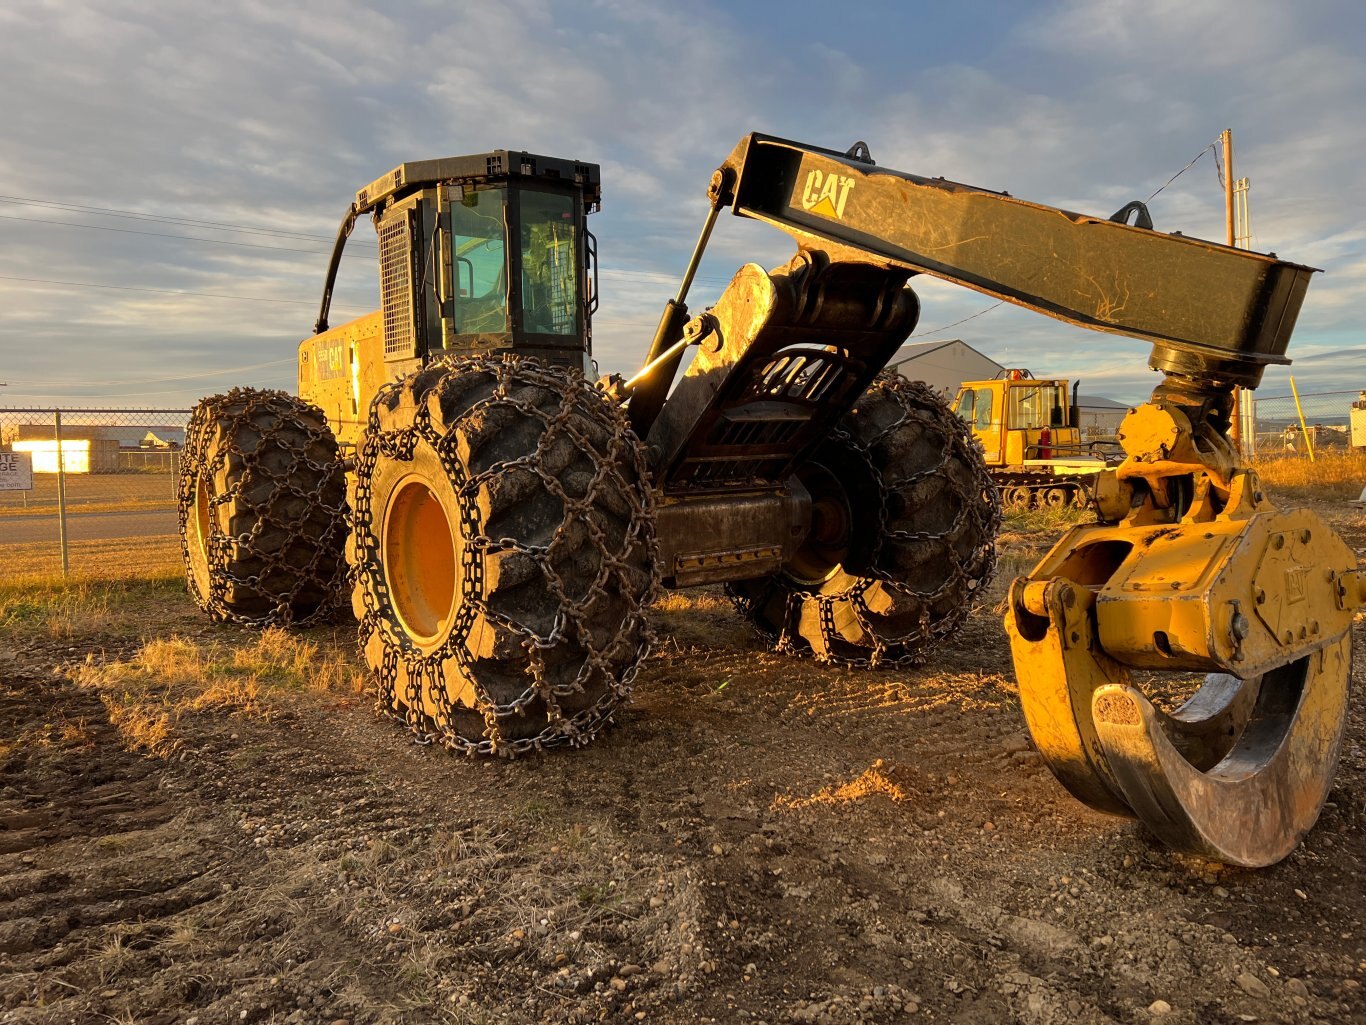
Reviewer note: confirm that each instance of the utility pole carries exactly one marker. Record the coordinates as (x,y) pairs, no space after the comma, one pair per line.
(1226,137)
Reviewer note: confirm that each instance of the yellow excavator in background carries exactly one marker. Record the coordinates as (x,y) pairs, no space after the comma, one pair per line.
(506,520)
(1031,440)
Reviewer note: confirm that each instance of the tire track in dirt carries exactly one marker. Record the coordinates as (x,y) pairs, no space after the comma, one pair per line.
(127,889)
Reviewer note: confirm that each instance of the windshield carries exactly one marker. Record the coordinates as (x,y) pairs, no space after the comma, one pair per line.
(1038,405)
(479,257)
(550,275)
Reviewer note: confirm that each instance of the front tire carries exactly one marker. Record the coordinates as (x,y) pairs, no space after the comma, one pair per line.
(904,522)
(505,555)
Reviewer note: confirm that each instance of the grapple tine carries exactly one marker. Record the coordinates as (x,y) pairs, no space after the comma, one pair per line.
(1059,665)
(1253,806)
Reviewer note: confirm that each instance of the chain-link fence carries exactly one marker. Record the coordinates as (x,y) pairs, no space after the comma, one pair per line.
(94,490)
(1277,428)
(89,490)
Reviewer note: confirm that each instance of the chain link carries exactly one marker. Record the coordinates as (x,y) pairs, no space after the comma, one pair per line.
(599,621)
(978,516)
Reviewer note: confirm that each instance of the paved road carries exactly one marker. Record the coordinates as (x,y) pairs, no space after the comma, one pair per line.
(88,526)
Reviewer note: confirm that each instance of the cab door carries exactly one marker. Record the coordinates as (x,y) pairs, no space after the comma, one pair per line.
(980,406)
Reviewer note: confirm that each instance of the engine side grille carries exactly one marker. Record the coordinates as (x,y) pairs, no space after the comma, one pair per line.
(396,283)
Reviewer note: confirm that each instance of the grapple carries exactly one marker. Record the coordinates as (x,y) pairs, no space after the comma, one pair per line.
(1191,569)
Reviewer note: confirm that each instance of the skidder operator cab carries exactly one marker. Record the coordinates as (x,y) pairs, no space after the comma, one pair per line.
(482,253)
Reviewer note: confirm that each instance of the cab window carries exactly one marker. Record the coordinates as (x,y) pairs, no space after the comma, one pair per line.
(964,408)
(479,259)
(550,273)
(974,406)
(1035,406)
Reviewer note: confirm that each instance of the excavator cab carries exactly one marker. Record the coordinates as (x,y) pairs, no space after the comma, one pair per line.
(511,272)
(486,253)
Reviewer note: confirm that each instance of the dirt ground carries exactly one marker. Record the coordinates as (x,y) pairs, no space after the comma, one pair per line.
(759,839)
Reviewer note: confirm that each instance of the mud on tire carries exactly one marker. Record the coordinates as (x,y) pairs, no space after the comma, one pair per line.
(504,552)
(905,518)
(262,508)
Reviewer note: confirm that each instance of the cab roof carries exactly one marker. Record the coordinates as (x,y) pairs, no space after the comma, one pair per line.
(496,165)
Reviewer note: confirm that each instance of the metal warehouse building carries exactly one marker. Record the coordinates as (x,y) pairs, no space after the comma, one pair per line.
(944,365)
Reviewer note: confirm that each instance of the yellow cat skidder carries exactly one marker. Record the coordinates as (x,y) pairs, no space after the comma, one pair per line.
(510,519)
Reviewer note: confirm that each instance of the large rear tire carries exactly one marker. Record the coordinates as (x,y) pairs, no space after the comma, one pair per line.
(904,522)
(504,552)
(262,508)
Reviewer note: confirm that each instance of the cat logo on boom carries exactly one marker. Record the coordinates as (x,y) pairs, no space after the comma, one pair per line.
(1296,584)
(826,194)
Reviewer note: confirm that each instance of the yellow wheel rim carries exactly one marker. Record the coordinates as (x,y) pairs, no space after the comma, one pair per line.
(420,552)
(201,517)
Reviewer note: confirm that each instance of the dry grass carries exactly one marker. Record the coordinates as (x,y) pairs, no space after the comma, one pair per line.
(47,606)
(62,734)
(148,695)
(107,559)
(143,726)
(1026,535)
(272,661)
(1331,476)
(693,600)
(1050,522)
(123,505)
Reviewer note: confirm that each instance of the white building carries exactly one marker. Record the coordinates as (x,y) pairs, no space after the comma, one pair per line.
(944,365)
(78,455)
(1099,417)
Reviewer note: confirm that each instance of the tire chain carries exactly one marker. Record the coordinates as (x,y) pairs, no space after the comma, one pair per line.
(198,461)
(571,620)
(984,507)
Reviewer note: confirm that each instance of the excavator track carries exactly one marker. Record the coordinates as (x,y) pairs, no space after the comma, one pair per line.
(1020,493)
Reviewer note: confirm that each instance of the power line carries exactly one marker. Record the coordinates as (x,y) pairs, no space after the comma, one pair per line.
(161,380)
(173,291)
(135,215)
(159,234)
(1183,170)
(935,331)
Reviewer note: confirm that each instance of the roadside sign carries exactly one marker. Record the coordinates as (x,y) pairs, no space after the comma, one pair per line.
(16,471)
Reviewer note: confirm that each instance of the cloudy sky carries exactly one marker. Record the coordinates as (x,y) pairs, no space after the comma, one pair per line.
(171,174)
